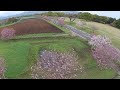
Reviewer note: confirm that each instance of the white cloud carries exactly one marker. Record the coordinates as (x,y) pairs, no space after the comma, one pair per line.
(7,13)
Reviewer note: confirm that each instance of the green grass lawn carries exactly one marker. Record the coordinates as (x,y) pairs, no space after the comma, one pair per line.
(21,55)
(41,35)
(15,54)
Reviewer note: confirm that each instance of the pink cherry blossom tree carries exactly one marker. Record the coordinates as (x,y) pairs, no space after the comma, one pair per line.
(106,55)
(99,40)
(7,33)
(61,21)
(2,68)
(56,65)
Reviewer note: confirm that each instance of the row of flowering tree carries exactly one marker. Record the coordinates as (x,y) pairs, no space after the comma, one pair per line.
(56,20)
(106,55)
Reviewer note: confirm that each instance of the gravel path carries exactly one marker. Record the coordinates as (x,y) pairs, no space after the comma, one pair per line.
(78,32)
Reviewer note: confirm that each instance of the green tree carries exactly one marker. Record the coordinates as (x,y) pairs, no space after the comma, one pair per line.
(50,13)
(86,16)
(103,19)
(12,20)
(117,23)
(60,14)
(110,20)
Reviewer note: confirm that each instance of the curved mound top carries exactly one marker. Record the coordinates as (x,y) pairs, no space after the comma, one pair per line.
(33,26)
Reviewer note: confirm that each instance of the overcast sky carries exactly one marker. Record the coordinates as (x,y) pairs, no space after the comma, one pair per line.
(7,13)
(114,14)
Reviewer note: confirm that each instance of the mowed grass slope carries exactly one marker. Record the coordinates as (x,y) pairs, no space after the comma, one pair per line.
(103,29)
(111,32)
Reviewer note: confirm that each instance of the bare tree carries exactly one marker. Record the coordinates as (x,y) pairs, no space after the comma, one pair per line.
(72,17)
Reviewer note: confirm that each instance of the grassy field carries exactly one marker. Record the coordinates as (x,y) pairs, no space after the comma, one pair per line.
(15,54)
(20,55)
(41,35)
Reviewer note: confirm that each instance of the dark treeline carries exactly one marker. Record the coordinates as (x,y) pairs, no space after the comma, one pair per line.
(12,20)
(88,17)
(8,21)
(96,18)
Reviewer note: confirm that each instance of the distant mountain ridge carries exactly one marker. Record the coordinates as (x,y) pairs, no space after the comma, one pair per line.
(31,13)
(23,14)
